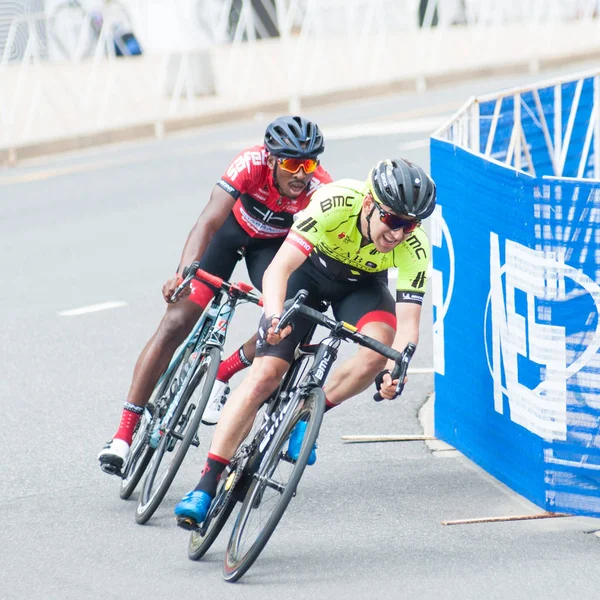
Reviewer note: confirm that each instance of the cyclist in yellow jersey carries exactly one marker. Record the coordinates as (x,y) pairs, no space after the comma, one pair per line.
(328,232)
(339,250)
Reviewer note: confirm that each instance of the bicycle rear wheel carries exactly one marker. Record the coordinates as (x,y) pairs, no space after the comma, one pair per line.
(141,451)
(178,436)
(272,488)
(71,30)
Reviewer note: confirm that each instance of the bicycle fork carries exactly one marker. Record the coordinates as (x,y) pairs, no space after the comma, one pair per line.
(219,315)
(325,356)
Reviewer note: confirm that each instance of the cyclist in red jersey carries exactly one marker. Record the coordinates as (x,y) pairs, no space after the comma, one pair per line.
(251,207)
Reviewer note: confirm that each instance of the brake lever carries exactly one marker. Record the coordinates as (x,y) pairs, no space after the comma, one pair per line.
(182,287)
(399,372)
(286,317)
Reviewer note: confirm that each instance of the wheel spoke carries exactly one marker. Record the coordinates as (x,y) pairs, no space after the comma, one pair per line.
(178,435)
(272,488)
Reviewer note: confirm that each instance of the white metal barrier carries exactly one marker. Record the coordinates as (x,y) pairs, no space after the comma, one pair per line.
(465,128)
(202,56)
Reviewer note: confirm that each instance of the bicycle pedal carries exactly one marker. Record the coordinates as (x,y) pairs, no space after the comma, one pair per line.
(285,456)
(187,523)
(111,469)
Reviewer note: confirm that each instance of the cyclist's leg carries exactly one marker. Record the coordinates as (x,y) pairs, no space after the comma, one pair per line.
(234,425)
(371,308)
(259,255)
(220,259)
(264,375)
(262,379)
(174,327)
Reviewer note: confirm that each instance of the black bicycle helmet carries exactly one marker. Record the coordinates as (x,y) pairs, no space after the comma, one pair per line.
(294,137)
(404,187)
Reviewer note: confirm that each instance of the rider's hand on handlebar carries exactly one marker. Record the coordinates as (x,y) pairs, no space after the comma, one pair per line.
(387,389)
(274,338)
(171,285)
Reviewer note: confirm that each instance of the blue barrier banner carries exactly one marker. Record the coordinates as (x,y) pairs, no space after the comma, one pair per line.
(516,335)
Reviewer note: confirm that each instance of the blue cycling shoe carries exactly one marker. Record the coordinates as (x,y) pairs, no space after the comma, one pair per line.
(192,509)
(295,443)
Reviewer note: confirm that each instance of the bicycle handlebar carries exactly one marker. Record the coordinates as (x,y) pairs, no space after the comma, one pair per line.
(345,330)
(399,371)
(242,290)
(291,308)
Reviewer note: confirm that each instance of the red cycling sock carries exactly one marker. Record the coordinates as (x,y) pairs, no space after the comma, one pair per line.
(213,469)
(129,419)
(329,405)
(232,365)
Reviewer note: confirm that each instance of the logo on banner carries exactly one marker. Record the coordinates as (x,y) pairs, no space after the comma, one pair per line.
(531,360)
(441,297)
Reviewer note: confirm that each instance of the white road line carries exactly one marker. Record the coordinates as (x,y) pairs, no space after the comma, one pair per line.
(423,125)
(374,128)
(413,145)
(73,312)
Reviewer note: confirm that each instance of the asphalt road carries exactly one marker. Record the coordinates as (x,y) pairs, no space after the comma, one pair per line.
(107,225)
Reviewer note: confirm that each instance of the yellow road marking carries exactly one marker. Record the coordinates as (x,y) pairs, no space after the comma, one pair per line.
(69,170)
(99,165)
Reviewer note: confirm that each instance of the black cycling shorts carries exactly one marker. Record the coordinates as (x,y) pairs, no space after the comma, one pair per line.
(358,303)
(221,256)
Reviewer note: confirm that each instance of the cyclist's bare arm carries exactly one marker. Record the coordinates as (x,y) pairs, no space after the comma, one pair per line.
(286,261)
(408,316)
(210,220)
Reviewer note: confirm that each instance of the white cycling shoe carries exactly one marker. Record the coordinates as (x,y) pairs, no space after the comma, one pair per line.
(215,403)
(113,456)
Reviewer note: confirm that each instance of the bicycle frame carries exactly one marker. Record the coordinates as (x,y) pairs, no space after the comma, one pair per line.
(211,330)
(294,388)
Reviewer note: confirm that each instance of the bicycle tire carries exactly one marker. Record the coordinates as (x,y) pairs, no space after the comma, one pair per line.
(224,502)
(237,561)
(64,20)
(139,458)
(200,543)
(151,496)
(141,452)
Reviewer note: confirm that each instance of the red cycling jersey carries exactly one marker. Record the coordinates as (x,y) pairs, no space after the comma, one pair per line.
(260,209)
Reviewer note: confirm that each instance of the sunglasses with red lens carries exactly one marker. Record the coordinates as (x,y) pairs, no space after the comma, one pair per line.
(293,165)
(395,222)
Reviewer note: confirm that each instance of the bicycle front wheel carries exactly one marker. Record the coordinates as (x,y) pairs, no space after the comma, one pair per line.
(272,488)
(139,457)
(141,451)
(178,436)
(71,29)
(220,510)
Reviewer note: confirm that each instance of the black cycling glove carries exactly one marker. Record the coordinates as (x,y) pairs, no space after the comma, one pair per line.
(379,378)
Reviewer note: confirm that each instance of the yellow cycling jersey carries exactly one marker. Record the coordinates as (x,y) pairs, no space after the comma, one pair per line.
(327,231)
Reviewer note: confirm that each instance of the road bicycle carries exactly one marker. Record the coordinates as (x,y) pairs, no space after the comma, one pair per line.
(171,421)
(77,29)
(262,476)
